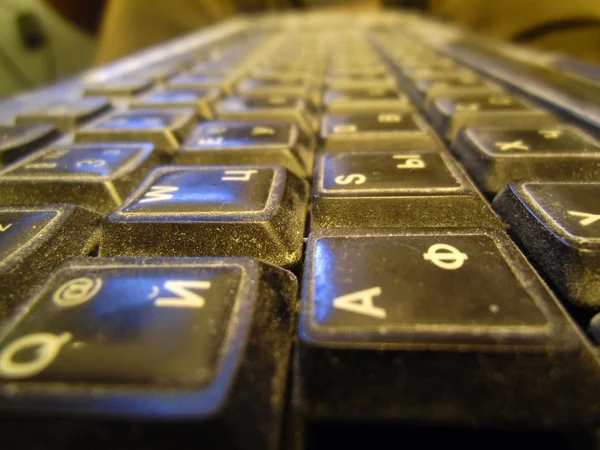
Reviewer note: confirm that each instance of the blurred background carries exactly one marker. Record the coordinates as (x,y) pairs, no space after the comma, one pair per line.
(45,40)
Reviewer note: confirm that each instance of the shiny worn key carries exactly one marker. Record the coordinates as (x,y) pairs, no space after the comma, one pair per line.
(165,128)
(237,143)
(450,114)
(163,339)
(96,176)
(498,156)
(253,211)
(558,224)
(393,324)
(34,240)
(400,189)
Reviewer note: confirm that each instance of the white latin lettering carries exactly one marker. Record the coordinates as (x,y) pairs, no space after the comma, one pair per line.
(361,302)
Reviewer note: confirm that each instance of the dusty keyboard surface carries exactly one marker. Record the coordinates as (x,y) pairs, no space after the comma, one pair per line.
(304,232)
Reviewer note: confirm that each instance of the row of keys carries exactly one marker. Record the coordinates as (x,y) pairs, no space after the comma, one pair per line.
(383,343)
(418,188)
(100,176)
(163,126)
(256,211)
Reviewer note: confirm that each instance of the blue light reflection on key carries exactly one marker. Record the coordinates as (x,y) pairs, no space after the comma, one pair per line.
(210,194)
(136,121)
(209,190)
(174,97)
(325,286)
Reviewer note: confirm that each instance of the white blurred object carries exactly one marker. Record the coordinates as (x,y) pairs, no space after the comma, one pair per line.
(67,49)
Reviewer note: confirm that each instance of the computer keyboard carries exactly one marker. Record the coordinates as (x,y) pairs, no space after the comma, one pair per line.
(304,231)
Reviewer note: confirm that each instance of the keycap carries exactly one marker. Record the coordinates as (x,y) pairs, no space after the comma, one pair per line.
(201,100)
(450,114)
(164,128)
(155,340)
(267,73)
(368,71)
(252,211)
(447,325)
(558,225)
(496,156)
(200,81)
(360,81)
(277,107)
(34,240)
(470,85)
(412,64)
(432,74)
(239,143)
(96,176)
(17,141)
(162,73)
(123,86)
(393,130)
(394,189)
(274,86)
(66,115)
(379,99)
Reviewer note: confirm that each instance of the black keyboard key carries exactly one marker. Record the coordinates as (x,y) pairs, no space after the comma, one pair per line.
(164,128)
(413,64)
(157,339)
(289,108)
(558,224)
(96,176)
(418,73)
(161,73)
(17,141)
(200,81)
(376,70)
(369,125)
(496,156)
(448,326)
(268,74)
(360,81)
(239,143)
(200,100)
(34,240)
(450,114)
(119,87)
(66,115)
(377,99)
(274,86)
(254,211)
(400,189)
(430,89)
(393,130)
